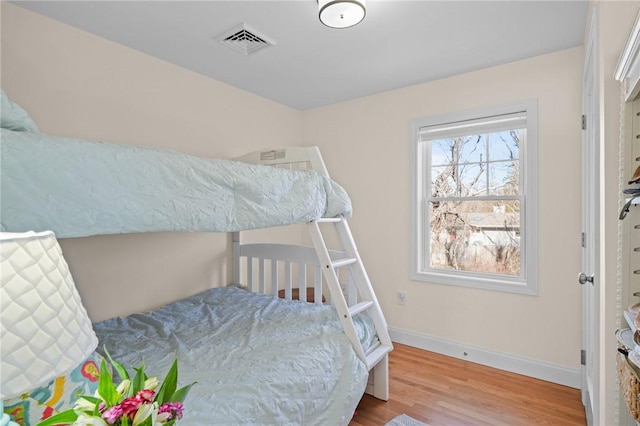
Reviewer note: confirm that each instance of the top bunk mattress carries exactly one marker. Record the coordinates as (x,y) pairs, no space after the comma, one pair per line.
(258,360)
(78,188)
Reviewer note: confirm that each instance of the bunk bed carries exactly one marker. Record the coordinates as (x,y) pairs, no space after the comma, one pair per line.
(296,337)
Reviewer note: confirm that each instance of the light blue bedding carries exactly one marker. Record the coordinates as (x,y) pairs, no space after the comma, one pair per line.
(78,188)
(258,360)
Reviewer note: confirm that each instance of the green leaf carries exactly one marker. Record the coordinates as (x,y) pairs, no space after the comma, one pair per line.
(106,388)
(92,399)
(138,380)
(122,372)
(168,386)
(181,393)
(64,417)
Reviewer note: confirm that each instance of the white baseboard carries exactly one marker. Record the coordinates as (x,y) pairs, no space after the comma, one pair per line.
(527,367)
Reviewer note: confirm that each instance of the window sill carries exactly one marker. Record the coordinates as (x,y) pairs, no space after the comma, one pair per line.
(475,281)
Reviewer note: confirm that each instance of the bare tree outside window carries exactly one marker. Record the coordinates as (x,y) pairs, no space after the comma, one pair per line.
(474,203)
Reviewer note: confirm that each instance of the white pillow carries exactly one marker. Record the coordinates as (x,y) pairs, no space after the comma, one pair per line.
(13,117)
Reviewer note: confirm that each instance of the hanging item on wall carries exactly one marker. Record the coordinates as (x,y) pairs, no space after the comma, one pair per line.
(634,191)
(636,176)
(627,205)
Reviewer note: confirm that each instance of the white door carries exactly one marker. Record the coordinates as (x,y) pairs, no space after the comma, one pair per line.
(589,275)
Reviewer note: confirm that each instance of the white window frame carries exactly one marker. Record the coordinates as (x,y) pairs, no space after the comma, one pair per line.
(527,282)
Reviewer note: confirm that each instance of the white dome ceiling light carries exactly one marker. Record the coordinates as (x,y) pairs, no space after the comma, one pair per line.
(341,13)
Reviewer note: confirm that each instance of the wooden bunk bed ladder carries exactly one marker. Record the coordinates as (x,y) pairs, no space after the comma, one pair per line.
(375,358)
(360,297)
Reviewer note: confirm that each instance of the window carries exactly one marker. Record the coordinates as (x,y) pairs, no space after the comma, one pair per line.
(474,198)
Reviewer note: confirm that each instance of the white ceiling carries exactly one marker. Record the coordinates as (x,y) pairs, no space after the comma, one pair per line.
(399,43)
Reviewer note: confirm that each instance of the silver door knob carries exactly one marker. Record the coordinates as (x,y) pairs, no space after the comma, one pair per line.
(583,279)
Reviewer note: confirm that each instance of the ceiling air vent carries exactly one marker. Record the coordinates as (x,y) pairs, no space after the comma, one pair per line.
(245,39)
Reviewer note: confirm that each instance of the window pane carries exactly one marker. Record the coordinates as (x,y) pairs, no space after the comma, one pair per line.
(504,178)
(473,180)
(441,152)
(505,145)
(475,236)
(465,149)
(443,183)
(473,149)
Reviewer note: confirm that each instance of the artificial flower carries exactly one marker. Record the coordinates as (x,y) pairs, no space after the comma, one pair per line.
(141,401)
(86,420)
(83,405)
(151,383)
(112,414)
(173,409)
(144,411)
(124,386)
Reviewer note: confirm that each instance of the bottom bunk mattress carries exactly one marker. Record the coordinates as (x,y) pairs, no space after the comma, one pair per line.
(258,360)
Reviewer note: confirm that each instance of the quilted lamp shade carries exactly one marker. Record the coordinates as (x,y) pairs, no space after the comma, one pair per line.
(44,328)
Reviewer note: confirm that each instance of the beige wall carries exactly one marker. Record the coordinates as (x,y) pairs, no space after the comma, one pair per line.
(79,85)
(367,143)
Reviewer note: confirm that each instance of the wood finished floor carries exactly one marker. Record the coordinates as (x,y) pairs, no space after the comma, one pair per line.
(445,391)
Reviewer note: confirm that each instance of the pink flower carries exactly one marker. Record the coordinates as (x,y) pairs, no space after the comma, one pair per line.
(130,406)
(173,408)
(113,414)
(146,395)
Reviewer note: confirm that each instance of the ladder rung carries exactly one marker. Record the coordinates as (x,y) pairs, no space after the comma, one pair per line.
(328,219)
(373,347)
(344,262)
(359,307)
(375,356)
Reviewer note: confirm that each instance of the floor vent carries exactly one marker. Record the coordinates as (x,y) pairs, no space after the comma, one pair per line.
(245,40)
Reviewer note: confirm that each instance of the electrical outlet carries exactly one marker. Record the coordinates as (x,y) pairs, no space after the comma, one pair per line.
(402,297)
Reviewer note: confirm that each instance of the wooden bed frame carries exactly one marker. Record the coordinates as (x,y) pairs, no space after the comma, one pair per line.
(335,275)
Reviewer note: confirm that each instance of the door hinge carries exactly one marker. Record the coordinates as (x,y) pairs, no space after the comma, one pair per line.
(583,240)
(584,122)
(583,357)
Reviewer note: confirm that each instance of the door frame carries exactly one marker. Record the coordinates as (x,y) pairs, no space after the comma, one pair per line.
(590,368)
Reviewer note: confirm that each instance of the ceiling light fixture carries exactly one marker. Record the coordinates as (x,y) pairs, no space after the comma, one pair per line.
(341,13)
